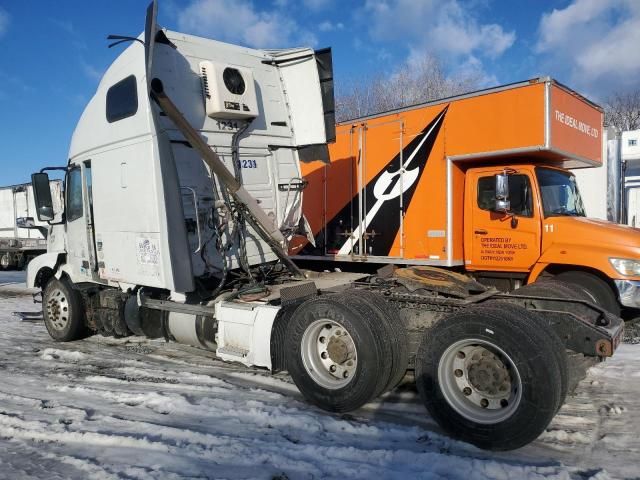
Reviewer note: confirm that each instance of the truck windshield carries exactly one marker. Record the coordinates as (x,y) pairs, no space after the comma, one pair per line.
(560,195)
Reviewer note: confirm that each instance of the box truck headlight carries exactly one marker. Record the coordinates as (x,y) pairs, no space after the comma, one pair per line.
(626,266)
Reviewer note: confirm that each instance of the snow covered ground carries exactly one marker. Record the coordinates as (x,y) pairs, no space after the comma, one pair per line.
(138,409)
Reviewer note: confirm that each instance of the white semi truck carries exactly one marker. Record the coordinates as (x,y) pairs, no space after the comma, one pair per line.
(183,187)
(22,238)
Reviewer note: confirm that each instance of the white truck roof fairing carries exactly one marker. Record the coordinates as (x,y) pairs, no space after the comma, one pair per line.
(153,198)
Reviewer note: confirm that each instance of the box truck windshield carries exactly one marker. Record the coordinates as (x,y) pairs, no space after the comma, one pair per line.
(560,194)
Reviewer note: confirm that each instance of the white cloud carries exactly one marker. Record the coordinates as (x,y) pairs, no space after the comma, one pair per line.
(239,21)
(594,43)
(92,72)
(328,26)
(316,4)
(444,26)
(4,21)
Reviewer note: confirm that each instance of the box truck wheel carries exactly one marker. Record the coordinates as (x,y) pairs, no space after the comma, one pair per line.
(396,332)
(337,353)
(489,376)
(599,290)
(63,311)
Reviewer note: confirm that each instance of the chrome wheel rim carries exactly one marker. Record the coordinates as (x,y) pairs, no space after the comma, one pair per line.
(329,354)
(480,381)
(57,306)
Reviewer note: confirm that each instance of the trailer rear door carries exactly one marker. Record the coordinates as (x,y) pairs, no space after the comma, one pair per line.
(372,221)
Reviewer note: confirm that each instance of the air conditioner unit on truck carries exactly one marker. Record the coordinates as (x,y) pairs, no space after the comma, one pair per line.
(478,184)
(22,238)
(183,190)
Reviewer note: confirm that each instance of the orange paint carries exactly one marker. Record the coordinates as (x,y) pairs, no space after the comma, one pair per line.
(402,187)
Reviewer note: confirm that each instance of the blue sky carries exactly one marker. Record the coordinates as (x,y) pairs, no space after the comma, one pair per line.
(52,54)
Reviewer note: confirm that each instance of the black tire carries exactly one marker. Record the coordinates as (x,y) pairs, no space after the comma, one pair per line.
(555,289)
(379,321)
(577,363)
(63,325)
(372,367)
(526,354)
(598,289)
(396,333)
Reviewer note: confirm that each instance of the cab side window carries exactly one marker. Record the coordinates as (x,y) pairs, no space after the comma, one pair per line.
(122,99)
(519,194)
(74,194)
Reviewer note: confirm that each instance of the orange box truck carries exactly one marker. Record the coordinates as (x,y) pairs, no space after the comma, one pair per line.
(477,183)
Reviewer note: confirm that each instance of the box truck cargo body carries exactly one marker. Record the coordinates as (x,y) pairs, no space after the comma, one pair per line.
(19,241)
(418,186)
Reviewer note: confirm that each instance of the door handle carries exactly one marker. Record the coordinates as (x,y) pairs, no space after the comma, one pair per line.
(480,232)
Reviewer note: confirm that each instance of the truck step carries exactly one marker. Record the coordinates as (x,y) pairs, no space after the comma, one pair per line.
(232,351)
(28,316)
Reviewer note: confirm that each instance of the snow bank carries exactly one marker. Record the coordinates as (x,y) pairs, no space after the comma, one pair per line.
(143,409)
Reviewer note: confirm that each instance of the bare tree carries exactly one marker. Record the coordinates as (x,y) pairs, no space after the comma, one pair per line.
(622,110)
(420,80)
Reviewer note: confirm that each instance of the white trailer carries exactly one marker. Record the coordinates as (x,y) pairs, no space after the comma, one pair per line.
(21,237)
(612,191)
(630,148)
(182,189)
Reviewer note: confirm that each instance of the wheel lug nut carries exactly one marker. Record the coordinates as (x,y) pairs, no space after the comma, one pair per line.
(458,372)
(484,403)
(332,368)
(322,339)
(466,391)
(460,355)
(345,375)
(324,355)
(503,403)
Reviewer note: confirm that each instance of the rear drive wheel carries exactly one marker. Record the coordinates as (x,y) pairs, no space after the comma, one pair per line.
(336,355)
(63,311)
(598,290)
(489,376)
(577,363)
(395,332)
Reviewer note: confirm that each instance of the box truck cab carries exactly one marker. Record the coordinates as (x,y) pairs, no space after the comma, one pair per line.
(478,183)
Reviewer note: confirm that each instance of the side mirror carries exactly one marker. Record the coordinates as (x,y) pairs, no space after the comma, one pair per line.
(25,222)
(502,193)
(42,196)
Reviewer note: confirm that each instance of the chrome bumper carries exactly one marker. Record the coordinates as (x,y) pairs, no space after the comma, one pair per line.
(629,292)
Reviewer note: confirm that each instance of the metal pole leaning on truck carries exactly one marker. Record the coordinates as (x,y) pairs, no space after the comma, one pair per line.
(254,214)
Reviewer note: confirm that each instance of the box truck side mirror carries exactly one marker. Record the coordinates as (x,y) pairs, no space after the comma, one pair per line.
(42,196)
(502,193)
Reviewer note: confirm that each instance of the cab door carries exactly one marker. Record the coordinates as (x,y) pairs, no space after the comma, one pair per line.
(79,218)
(496,240)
